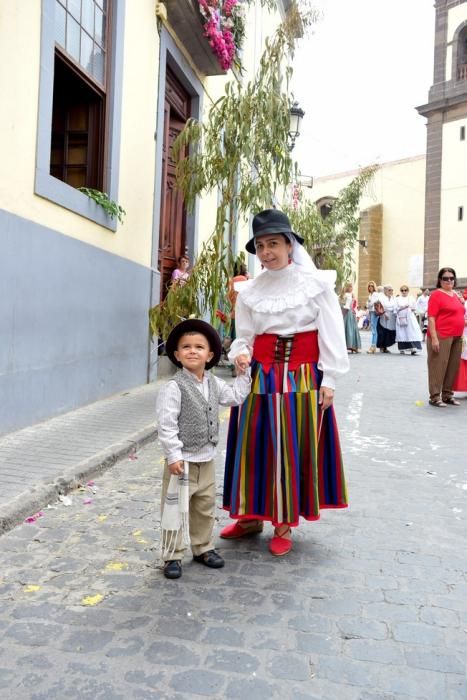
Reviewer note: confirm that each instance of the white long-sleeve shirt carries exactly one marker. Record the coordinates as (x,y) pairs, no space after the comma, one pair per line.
(372,299)
(421,305)
(292,300)
(168,405)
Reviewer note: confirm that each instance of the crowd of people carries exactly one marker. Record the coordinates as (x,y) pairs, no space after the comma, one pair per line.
(440,315)
(292,339)
(390,319)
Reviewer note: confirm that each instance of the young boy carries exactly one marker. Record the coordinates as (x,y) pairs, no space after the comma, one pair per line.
(187,413)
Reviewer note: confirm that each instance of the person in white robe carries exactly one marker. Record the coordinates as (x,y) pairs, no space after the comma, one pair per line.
(408,333)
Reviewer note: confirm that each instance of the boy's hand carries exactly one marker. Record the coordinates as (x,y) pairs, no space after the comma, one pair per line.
(176,468)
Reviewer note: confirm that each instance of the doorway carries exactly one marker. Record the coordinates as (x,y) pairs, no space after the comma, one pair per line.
(172,238)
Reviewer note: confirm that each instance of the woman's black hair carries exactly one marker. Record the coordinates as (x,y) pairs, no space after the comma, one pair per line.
(441,273)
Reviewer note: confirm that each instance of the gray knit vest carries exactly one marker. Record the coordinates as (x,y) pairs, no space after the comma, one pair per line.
(198,422)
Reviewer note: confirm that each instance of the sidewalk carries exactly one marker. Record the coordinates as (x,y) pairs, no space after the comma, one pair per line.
(42,461)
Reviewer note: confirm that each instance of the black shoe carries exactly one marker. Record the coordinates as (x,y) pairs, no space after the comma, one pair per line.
(211,559)
(173,568)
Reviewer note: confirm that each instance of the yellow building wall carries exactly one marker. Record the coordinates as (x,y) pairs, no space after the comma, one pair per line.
(400,188)
(453,238)
(18,130)
(403,199)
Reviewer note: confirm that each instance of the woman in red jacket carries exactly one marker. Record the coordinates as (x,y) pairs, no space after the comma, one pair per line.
(444,340)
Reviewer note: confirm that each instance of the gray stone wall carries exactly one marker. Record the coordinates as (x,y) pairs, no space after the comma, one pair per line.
(73,323)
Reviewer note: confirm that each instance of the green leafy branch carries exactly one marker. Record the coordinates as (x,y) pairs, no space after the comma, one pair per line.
(111,208)
(331,240)
(241,151)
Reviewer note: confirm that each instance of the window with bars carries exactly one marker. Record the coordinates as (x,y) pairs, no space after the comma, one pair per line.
(78,142)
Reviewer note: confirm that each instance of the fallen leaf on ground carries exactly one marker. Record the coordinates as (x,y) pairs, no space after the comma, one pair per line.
(116,566)
(92,599)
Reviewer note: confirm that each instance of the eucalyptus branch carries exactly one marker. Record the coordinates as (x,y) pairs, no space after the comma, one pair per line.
(241,151)
(330,240)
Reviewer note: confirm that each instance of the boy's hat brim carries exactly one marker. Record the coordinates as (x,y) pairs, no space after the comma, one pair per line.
(270,221)
(194,325)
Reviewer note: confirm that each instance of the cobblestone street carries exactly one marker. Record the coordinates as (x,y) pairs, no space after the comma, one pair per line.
(371,604)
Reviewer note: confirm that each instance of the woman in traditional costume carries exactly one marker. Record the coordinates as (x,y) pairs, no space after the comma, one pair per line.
(349,305)
(283,453)
(386,329)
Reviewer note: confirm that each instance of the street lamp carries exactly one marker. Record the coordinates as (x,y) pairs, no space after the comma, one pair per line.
(295,120)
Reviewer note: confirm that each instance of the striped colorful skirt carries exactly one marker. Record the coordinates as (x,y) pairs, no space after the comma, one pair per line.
(283,452)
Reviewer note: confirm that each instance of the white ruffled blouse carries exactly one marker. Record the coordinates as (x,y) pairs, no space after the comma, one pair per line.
(293,300)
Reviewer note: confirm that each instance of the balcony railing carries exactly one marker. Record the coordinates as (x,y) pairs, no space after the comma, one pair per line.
(462,71)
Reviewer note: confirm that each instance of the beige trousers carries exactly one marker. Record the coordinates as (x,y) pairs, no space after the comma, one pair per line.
(443,366)
(202,503)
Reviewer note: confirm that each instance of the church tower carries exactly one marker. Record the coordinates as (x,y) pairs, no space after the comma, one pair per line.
(446,157)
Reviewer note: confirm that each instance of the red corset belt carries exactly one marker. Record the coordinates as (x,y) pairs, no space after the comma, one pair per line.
(296,350)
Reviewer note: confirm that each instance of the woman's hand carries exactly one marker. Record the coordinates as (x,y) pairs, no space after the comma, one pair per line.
(326,396)
(241,363)
(433,333)
(176,468)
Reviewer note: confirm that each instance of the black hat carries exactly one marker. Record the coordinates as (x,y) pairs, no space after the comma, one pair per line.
(270,221)
(194,325)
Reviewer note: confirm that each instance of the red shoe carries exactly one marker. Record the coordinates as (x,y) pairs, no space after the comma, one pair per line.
(235,530)
(280,545)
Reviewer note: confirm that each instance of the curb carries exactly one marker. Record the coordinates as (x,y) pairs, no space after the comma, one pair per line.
(39,495)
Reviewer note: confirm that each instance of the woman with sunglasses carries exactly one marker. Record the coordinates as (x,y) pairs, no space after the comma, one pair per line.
(444,339)
(408,333)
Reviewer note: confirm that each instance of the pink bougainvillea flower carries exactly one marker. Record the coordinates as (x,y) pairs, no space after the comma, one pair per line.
(217,29)
(33,518)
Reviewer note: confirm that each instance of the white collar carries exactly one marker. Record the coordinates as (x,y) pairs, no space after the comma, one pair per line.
(274,291)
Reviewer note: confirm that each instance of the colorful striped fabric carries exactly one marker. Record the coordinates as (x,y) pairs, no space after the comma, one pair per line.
(283,453)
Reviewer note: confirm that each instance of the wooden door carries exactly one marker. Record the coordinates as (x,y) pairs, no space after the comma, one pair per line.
(172,238)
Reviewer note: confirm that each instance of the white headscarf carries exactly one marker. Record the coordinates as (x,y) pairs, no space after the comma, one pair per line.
(301,257)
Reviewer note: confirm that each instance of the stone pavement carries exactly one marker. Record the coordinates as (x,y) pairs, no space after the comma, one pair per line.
(45,460)
(371,604)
